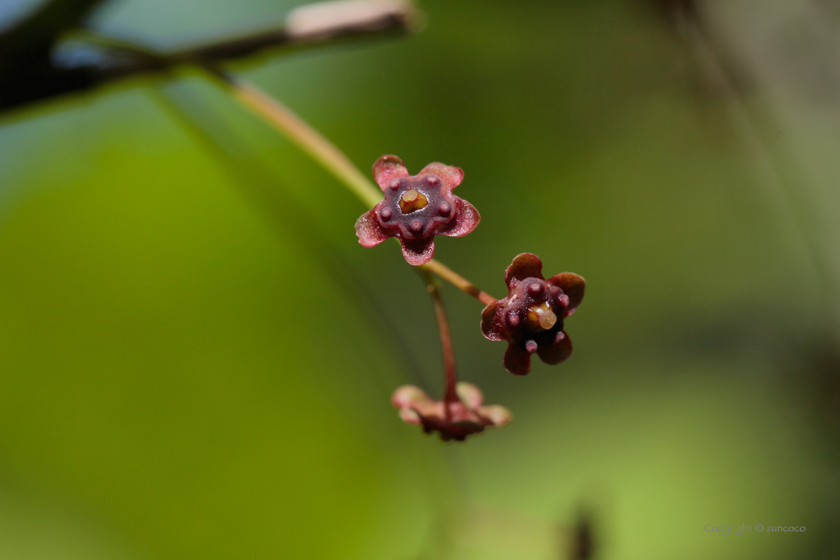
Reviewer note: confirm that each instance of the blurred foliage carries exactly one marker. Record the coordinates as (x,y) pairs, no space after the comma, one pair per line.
(197,355)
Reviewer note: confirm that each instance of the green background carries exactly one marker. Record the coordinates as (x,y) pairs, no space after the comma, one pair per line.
(196,355)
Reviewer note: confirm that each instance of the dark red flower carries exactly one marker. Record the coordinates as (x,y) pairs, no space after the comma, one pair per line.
(454,420)
(531,317)
(416,208)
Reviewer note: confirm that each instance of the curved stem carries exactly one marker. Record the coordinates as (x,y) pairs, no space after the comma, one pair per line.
(458,281)
(451,395)
(307,138)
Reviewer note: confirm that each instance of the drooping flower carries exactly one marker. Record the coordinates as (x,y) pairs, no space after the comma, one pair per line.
(416,208)
(455,419)
(531,317)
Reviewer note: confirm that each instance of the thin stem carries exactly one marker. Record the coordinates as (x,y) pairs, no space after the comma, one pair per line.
(458,281)
(451,395)
(301,133)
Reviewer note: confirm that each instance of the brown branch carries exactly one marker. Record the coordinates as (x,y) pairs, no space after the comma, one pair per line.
(307,27)
(38,31)
(26,68)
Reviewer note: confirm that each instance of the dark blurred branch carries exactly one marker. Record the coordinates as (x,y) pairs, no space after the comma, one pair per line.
(582,542)
(676,10)
(687,18)
(98,61)
(37,33)
(26,69)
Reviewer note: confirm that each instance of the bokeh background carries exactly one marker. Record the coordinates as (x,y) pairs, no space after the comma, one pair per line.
(196,356)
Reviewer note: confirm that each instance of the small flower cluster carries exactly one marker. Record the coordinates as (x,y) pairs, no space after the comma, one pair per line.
(531,318)
(416,208)
(454,418)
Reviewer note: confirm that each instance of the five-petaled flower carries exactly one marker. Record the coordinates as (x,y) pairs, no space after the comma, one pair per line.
(454,418)
(416,208)
(531,317)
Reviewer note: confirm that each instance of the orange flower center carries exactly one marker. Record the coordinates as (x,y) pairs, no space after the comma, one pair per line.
(412,200)
(541,317)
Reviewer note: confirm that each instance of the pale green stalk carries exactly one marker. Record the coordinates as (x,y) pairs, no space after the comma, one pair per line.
(304,136)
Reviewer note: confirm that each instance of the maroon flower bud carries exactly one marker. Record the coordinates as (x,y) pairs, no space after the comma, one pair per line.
(531,317)
(416,208)
(453,420)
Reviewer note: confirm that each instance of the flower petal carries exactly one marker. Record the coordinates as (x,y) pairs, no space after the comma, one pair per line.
(517,360)
(449,174)
(418,251)
(526,265)
(469,394)
(386,169)
(492,325)
(572,285)
(496,414)
(555,353)
(466,219)
(369,231)
(408,396)
(410,416)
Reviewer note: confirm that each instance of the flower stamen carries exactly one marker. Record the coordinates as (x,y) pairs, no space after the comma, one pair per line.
(541,317)
(412,200)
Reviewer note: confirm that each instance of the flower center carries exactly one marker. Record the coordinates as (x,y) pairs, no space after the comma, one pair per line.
(541,317)
(412,200)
